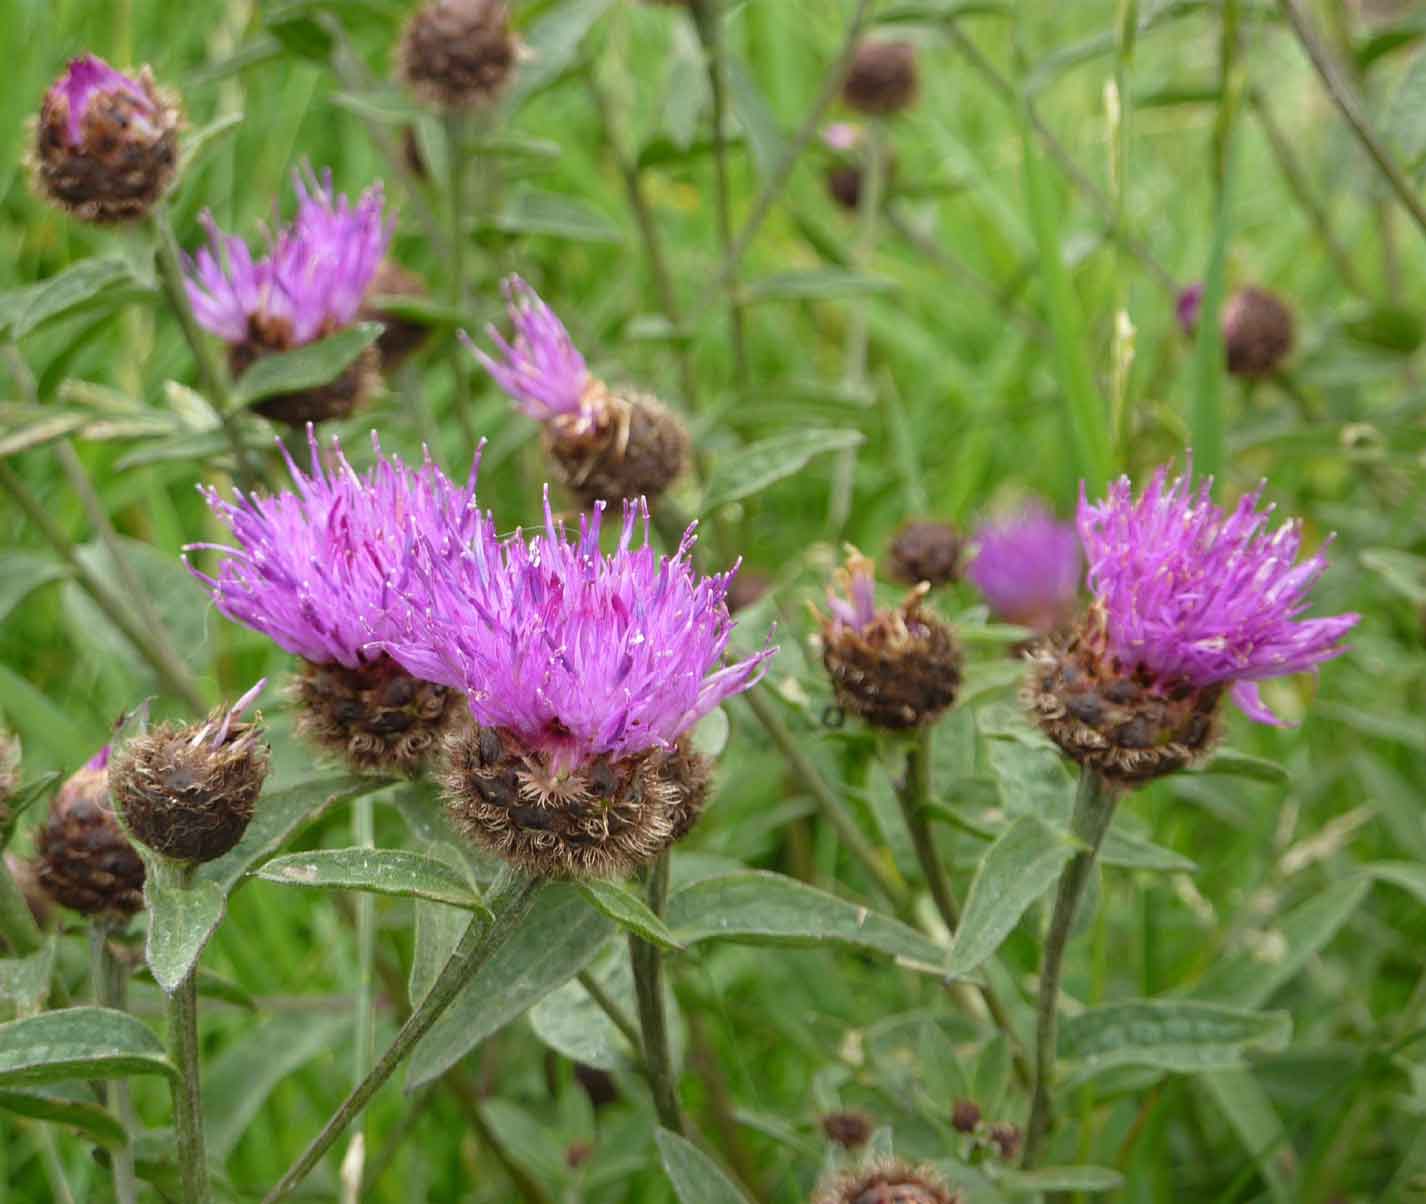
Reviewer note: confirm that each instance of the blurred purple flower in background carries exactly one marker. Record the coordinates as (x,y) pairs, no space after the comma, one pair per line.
(1028,568)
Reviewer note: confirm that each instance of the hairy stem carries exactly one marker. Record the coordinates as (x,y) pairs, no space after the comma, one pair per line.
(111,981)
(610,1007)
(647,962)
(477,945)
(1093,811)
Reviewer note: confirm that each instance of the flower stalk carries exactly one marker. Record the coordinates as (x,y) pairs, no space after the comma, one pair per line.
(1093,812)
(647,962)
(110,978)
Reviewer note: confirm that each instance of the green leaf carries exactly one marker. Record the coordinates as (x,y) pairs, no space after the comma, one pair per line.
(25,981)
(1060,1178)
(46,426)
(1126,851)
(1409,875)
(696,1178)
(306,367)
(1018,868)
(819,285)
(181,922)
(553,44)
(749,470)
(1403,572)
(92,1120)
(85,283)
(79,1043)
(557,938)
(557,216)
(301,35)
(572,1024)
(198,145)
(1230,763)
(381,871)
(21,573)
(438,932)
(754,907)
(629,911)
(765,138)
(1169,1034)
(1391,328)
(1250,1113)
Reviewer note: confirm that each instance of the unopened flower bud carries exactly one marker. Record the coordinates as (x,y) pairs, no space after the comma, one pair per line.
(86,863)
(187,791)
(965,1115)
(1257,332)
(400,337)
(882,78)
(898,668)
(106,143)
(459,54)
(886,1182)
(850,1130)
(926,551)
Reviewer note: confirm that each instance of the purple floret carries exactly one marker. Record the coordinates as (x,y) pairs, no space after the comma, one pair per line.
(1193,593)
(318,569)
(578,653)
(1188,307)
(542,371)
(88,77)
(313,279)
(857,580)
(1028,568)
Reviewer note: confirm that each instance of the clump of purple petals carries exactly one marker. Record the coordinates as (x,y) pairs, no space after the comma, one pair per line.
(316,568)
(578,653)
(1188,307)
(99,760)
(88,77)
(1028,568)
(313,279)
(858,582)
(1195,593)
(542,370)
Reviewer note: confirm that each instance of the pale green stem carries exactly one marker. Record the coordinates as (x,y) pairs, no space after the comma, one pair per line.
(364,1019)
(647,962)
(868,230)
(111,980)
(1093,812)
(183,1042)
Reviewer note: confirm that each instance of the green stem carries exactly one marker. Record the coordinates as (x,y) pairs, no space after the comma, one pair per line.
(647,962)
(364,1018)
(868,227)
(456,199)
(17,922)
(171,671)
(610,1007)
(477,945)
(210,371)
(827,801)
(111,981)
(1093,812)
(187,1098)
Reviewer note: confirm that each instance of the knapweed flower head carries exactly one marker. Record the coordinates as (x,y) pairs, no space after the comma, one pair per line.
(1258,328)
(584,672)
(896,668)
(1028,568)
(607,445)
(926,550)
(106,142)
(314,569)
(886,1181)
(187,791)
(1190,601)
(459,54)
(85,861)
(311,283)
(882,79)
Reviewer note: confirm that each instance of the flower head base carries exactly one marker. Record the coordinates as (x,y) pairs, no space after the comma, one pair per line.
(315,570)
(1028,568)
(85,861)
(883,78)
(312,283)
(459,54)
(924,550)
(107,143)
(886,1182)
(187,791)
(607,446)
(897,668)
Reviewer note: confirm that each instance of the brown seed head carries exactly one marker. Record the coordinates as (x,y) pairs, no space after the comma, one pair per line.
(125,160)
(923,550)
(1119,720)
(965,1116)
(459,54)
(85,862)
(882,79)
(850,1130)
(886,1183)
(603,819)
(187,791)
(400,337)
(1257,332)
(377,718)
(337,399)
(634,447)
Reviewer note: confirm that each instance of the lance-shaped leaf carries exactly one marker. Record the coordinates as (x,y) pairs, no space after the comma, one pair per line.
(381,871)
(69,1108)
(306,367)
(1169,1034)
(78,1043)
(696,1178)
(181,921)
(752,469)
(629,911)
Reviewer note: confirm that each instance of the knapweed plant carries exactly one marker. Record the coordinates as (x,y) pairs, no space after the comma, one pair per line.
(793,602)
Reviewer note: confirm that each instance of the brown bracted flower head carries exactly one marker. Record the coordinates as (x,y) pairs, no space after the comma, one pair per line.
(85,862)
(886,1182)
(459,54)
(883,78)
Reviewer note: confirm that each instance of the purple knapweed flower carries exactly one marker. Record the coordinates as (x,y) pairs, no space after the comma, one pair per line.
(315,567)
(578,654)
(1196,594)
(1028,567)
(313,279)
(89,77)
(857,581)
(1188,306)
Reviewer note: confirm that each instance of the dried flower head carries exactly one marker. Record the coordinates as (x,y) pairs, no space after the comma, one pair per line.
(400,337)
(106,143)
(1006,1139)
(886,1182)
(187,791)
(850,1130)
(459,54)
(608,446)
(584,672)
(1189,602)
(883,78)
(897,668)
(312,283)
(925,550)
(85,861)
(1258,328)
(965,1115)
(314,569)
(1028,568)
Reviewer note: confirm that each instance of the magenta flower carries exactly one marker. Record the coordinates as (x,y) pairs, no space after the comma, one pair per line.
(857,581)
(1028,568)
(577,653)
(313,279)
(1188,307)
(1194,594)
(316,570)
(90,77)
(542,371)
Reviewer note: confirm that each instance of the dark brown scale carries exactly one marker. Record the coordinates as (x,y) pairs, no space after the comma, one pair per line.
(85,862)
(638,449)
(902,671)
(850,1130)
(1086,708)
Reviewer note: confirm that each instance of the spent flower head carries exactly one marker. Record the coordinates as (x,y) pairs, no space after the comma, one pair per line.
(1028,568)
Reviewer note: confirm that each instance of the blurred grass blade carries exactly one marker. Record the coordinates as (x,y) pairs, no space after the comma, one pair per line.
(696,1178)
(1250,1113)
